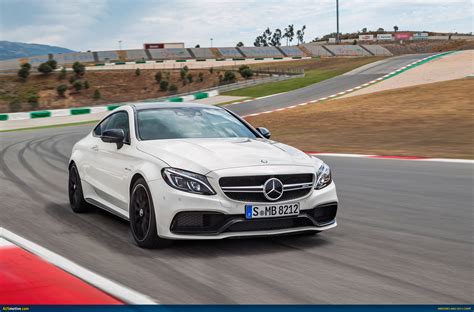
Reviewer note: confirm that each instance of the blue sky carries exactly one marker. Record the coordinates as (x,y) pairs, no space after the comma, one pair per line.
(99,24)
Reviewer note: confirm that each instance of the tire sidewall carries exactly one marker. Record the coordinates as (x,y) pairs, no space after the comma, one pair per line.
(152,235)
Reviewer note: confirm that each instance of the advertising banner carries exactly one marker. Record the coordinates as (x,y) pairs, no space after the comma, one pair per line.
(366,37)
(384,37)
(402,36)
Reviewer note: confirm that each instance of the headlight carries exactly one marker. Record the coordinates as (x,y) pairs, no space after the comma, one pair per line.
(187,181)
(323,177)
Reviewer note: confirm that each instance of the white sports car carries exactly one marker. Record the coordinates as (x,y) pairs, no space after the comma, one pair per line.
(191,171)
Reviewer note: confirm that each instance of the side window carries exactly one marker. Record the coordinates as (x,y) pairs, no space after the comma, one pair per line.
(118,121)
(101,127)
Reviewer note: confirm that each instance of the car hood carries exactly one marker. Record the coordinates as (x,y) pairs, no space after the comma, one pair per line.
(205,155)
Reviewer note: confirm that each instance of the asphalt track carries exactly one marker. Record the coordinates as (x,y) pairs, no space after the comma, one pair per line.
(404,236)
(328,87)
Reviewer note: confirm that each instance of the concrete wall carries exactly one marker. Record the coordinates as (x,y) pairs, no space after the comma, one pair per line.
(316,50)
(347,50)
(378,50)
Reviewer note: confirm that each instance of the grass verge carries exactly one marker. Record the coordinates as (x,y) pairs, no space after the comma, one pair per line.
(431,120)
(316,70)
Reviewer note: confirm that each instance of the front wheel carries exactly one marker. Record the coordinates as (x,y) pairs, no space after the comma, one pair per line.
(142,217)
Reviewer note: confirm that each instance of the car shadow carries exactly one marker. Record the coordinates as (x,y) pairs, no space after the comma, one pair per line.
(114,234)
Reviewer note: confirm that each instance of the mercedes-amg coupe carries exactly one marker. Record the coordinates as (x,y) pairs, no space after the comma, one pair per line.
(192,171)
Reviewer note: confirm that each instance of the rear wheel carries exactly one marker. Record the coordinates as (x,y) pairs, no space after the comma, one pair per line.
(142,217)
(76,197)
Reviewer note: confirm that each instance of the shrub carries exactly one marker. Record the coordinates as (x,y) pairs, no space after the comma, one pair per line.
(79,68)
(137,72)
(23,73)
(61,89)
(164,85)
(96,95)
(86,84)
(33,100)
(158,77)
(62,73)
(77,85)
(229,76)
(182,73)
(186,68)
(26,65)
(190,77)
(200,77)
(44,68)
(173,88)
(247,73)
(211,70)
(72,79)
(53,64)
(15,105)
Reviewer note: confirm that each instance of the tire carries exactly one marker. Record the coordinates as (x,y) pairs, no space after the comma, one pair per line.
(142,217)
(76,197)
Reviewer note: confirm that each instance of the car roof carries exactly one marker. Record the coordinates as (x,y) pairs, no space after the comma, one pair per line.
(153,105)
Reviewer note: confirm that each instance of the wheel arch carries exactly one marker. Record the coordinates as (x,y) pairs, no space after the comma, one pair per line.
(134,179)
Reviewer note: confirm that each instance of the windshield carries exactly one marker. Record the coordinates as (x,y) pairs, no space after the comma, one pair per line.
(190,122)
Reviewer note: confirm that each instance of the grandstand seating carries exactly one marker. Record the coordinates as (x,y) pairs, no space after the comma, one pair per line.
(202,53)
(377,50)
(105,56)
(70,58)
(292,51)
(316,50)
(136,55)
(347,50)
(170,54)
(261,52)
(229,52)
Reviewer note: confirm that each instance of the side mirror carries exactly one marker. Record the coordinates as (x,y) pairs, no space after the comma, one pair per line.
(265,132)
(113,136)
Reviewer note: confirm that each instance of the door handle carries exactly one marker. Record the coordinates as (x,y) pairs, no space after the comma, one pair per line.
(95,148)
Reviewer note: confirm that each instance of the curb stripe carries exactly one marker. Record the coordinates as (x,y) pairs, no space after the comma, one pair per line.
(410,158)
(95,109)
(117,290)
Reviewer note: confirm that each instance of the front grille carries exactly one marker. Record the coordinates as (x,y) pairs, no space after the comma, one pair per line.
(213,223)
(269,224)
(300,184)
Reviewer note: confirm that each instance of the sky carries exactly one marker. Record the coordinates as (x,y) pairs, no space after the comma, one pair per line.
(99,24)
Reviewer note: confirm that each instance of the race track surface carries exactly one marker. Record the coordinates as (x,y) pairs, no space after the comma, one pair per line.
(327,87)
(404,236)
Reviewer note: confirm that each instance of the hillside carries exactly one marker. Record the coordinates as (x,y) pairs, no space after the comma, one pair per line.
(10,50)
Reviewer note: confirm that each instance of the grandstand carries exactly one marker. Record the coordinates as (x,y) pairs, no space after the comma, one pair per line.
(183,54)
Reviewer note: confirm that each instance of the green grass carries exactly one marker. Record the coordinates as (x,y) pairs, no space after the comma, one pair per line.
(53,126)
(311,77)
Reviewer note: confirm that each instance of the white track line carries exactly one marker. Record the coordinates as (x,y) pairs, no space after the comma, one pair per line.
(117,290)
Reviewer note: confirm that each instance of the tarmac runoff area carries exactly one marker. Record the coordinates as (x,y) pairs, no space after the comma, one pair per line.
(449,67)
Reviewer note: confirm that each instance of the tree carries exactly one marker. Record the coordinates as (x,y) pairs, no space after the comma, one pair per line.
(164,85)
(190,77)
(33,100)
(364,30)
(26,65)
(247,73)
(182,73)
(77,85)
(186,68)
(229,76)
(62,73)
(53,64)
(289,33)
(239,44)
(23,73)
(96,95)
(380,30)
(276,38)
(211,70)
(44,68)
(200,77)
(79,68)
(300,34)
(258,41)
(61,89)
(72,79)
(173,88)
(137,72)
(158,77)
(395,28)
(86,84)
(197,46)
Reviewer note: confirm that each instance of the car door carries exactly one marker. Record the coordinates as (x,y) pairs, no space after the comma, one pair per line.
(113,165)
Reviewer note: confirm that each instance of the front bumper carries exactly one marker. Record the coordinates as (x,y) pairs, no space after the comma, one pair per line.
(170,202)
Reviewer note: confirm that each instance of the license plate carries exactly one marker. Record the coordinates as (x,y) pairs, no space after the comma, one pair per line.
(270,211)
